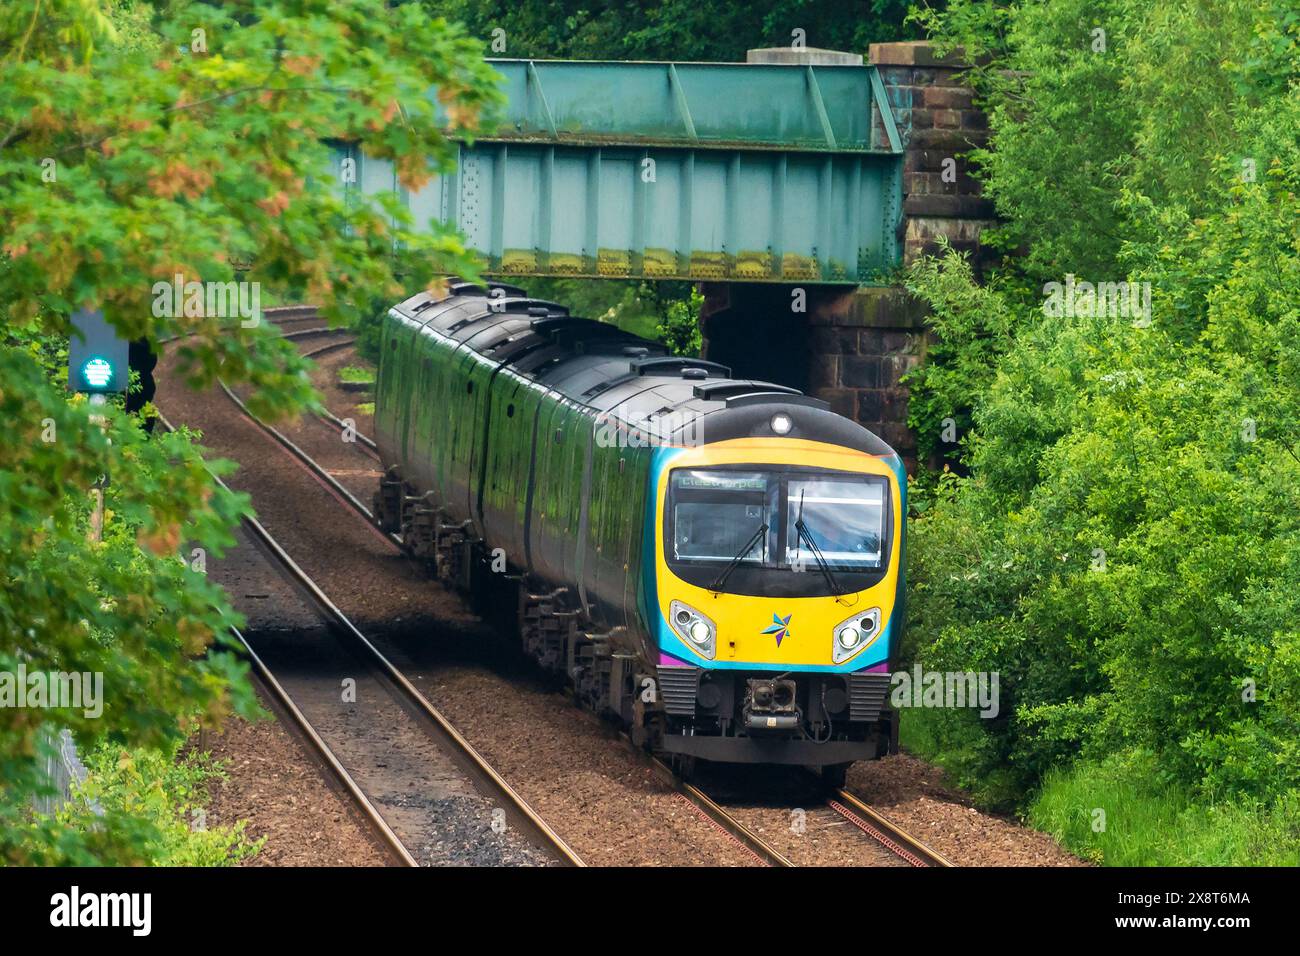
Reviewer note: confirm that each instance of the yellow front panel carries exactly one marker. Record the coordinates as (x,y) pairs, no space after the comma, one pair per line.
(741,619)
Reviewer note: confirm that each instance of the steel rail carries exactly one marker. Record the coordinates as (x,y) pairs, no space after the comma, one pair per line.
(888,834)
(714,811)
(319,330)
(454,743)
(313,737)
(708,808)
(326,755)
(329,348)
(325,414)
(329,417)
(312,465)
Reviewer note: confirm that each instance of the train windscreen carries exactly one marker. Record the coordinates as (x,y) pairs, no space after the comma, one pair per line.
(777,519)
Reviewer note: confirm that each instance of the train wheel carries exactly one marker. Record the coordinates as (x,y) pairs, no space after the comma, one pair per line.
(684,766)
(834,775)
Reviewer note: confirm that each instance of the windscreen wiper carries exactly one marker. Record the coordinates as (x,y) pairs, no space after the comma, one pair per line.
(754,539)
(806,536)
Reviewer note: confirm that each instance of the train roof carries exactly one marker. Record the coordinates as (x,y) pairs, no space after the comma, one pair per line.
(621,375)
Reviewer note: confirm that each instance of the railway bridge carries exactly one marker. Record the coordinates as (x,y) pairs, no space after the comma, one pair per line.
(792,186)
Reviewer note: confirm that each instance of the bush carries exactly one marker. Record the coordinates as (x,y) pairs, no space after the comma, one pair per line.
(1125,549)
(155,796)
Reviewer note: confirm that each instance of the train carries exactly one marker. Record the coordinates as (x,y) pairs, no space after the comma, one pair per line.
(715,563)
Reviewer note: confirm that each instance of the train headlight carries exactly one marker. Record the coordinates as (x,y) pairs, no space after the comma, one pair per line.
(781,423)
(856,633)
(694,628)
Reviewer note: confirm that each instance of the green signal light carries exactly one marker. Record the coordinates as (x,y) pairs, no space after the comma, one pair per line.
(97,372)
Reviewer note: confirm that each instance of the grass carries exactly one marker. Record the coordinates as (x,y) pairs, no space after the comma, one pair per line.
(1143,820)
(366,408)
(1150,823)
(951,741)
(354,374)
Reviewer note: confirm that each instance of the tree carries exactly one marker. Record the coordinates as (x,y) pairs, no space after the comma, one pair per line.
(141,146)
(673,29)
(1125,550)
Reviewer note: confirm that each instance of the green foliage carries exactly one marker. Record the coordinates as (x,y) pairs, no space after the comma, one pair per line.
(632,305)
(680,328)
(355,375)
(673,29)
(1125,549)
(1150,823)
(971,326)
(157,796)
(666,312)
(1074,124)
(130,155)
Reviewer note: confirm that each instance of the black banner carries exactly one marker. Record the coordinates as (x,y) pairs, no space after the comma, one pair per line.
(142,906)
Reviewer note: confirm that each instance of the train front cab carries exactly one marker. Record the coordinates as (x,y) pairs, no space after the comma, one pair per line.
(774,593)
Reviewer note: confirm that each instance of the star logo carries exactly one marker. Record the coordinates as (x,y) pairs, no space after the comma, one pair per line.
(780,626)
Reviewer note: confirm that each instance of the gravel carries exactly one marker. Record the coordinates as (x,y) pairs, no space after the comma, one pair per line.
(913,794)
(275,783)
(413,783)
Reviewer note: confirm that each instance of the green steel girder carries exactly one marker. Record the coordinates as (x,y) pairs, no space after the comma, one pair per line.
(719,105)
(708,171)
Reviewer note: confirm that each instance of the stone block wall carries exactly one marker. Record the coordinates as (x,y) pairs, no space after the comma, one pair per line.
(851,347)
(938,123)
(863,341)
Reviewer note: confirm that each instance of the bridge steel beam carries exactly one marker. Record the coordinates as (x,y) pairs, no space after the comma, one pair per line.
(704,171)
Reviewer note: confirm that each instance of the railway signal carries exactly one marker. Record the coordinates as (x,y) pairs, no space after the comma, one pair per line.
(98,363)
(98,358)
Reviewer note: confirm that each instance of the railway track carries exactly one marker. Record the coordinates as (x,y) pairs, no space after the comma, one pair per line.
(841,804)
(719,817)
(314,332)
(331,347)
(288,318)
(799,823)
(467,760)
(889,835)
(286,707)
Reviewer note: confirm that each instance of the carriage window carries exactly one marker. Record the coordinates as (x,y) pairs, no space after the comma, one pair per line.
(844,519)
(715,513)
